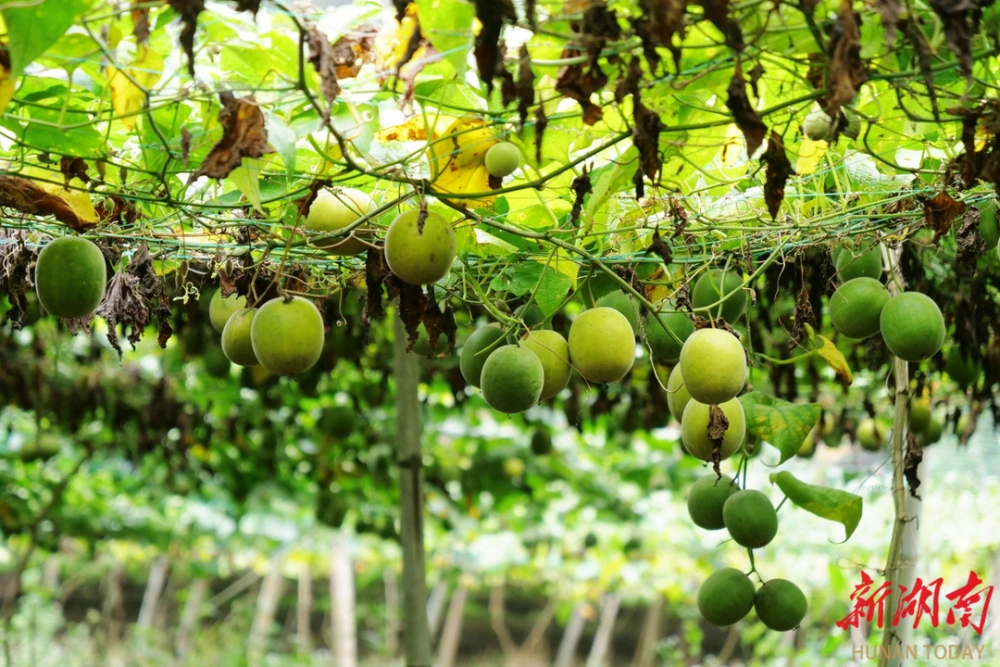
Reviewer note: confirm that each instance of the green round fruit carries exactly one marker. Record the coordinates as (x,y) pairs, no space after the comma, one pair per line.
(726,597)
(503,159)
(920,415)
(553,351)
(420,257)
(988,227)
(706,499)
(513,467)
(332,211)
(714,366)
(935,429)
(476,350)
(871,434)
(541,442)
(236,338)
(962,425)
(711,287)
(962,369)
(531,315)
(338,421)
(912,326)
(662,345)
(221,308)
(818,126)
(856,307)
(750,519)
(512,379)
(780,605)
(863,264)
(70,277)
(287,336)
(602,345)
(216,362)
(624,304)
(677,394)
(694,429)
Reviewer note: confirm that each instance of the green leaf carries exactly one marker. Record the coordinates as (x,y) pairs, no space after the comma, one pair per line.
(785,425)
(832,504)
(33,27)
(549,286)
(282,138)
(246,177)
(448,25)
(609,181)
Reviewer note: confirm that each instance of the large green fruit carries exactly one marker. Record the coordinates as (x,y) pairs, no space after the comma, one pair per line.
(503,159)
(338,421)
(477,349)
(988,227)
(912,326)
(677,394)
(750,519)
(706,499)
(714,366)
(935,429)
(856,307)
(726,597)
(553,351)
(221,308)
(920,415)
(331,212)
(861,264)
(512,379)
(602,345)
(780,605)
(871,434)
(70,277)
(694,429)
(420,257)
(624,304)
(287,336)
(236,338)
(961,368)
(216,362)
(711,287)
(662,345)
(541,442)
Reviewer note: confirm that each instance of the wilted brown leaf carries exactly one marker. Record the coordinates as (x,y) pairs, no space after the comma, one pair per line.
(525,85)
(580,81)
(661,248)
(140,22)
(661,20)
(717,12)
(73,167)
(960,18)
(354,50)
(939,211)
(27,197)
(243,135)
(970,243)
(491,14)
(778,171)
(321,58)
(581,187)
(847,71)
(746,117)
(188,11)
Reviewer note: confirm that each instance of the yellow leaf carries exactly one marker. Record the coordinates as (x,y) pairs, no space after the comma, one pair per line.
(6,88)
(835,358)
(457,159)
(732,147)
(562,263)
(128,85)
(78,200)
(394,39)
(810,153)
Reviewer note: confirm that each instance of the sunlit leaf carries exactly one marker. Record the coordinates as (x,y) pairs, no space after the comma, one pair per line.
(782,424)
(128,86)
(833,504)
(457,159)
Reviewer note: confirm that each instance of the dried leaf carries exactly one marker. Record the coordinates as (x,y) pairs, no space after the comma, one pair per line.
(122,303)
(248,6)
(140,22)
(437,323)
(970,243)
(660,247)
(541,122)
(939,211)
(661,20)
(17,272)
(243,135)
(718,424)
(188,11)
(746,117)
(581,187)
(412,303)
(960,19)
(755,74)
(73,167)
(778,171)
(847,71)
(911,463)
(525,85)
(579,83)
(354,50)
(321,58)
(717,12)
(890,11)
(27,197)
(376,273)
(803,315)
(491,14)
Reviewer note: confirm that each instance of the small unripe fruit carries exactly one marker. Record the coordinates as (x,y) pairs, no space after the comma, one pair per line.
(852,130)
(662,345)
(871,434)
(711,287)
(860,264)
(714,366)
(694,429)
(818,125)
(962,368)
(287,336)
(332,211)
(856,307)
(512,379)
(503,159)
(553,351)
(236,343)
(221,308)
(750,519)
(602,345)
(920,415)
(780,605)
(912,326)
(935,429)
(476,350)
(420,257)
(726,597)
(541,442)
(624,304)
(70,277)
(706,499)
(677,395)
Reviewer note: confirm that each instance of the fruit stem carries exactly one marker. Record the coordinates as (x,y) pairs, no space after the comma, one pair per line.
(785,362)
(781,503)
